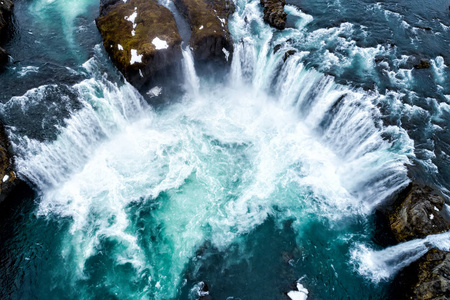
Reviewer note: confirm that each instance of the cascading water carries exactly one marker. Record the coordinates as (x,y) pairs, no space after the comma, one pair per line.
(248,184)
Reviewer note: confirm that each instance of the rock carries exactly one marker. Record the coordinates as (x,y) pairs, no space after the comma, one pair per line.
(6,7)
(7,176)
(288,54)
(140,36)
(423,64)
(418,215)
(427,278)
(274,13)
(208,20)
(3,57)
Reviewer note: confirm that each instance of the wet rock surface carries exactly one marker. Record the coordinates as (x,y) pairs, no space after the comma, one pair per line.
(208,20)
(141,37)
(274,13)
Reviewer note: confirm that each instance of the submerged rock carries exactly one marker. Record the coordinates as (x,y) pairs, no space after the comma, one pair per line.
(423,64)
(420,214)
(274,13)
(7,176)
(208,20)
(140,36)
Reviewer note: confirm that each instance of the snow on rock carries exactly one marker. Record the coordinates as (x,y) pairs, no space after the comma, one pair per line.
(301,294)
(119,46)
(132,19)
(160,44)
(135,57)
(5,178)
(201,27)
(140,73)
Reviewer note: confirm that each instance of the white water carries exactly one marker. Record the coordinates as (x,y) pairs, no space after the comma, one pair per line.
(276,137)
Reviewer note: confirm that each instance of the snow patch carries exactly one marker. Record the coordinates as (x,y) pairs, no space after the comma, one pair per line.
(436,209)
(140,73)
(201,27)
(5,178)
(135,57)
(160,44)
(119,46)
(431,217)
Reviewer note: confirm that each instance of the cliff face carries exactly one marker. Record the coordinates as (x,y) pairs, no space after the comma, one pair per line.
(208,20)
(140,36)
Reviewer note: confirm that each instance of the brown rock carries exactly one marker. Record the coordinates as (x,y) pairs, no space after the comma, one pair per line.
(419,214)
(423,64)
(428,277)
(130,31)
(274,13)
(208,20)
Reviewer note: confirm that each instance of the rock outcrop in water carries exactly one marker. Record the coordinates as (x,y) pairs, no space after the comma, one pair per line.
(274,13)
(6,7)
(7,175)
(140,36)
(418,214)
(208,20)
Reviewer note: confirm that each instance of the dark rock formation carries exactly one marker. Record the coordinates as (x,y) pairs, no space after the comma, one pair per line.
(140,36)
(7,176)
(419,214)
(208,20)
(274,13)
(423,64)
(427,278)
(6,7)
(288,54)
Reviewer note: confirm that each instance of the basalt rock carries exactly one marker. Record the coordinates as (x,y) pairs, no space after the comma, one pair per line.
(7,176)
(274,13)
(420,214)
(140,36)
(208,20)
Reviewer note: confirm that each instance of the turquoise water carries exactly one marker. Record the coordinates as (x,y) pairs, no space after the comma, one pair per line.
(248,182)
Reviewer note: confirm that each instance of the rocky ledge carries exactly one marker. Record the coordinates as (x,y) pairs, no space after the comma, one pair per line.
(6,7)
(274,13)
(208,20)
(140,36)
(419,212)
(7,176)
